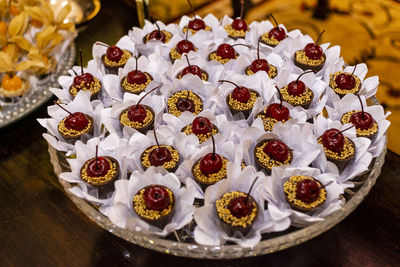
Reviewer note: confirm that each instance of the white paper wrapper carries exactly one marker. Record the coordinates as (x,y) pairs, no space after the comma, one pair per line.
(111,146)
(137,35)
(110,116)
(299,138)
(351,102)
(274,194)
(121,211)
(369,86)
(81,103)
(357,166)
(208,230)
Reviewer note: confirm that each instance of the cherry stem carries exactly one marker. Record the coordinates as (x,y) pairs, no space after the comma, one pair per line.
(343,131)
(155,137)
(191,8)
(242,44)
(97,161)
(251,187)
(319,37)
(137,105)
(308,71)
(187,59)
(276,23)
(80,55)
(136,60)
(226,81)
(362,106)
(74,72)
(241,8)
(280,95)
(158,27)
(55,102)
(355,66)
(102,44)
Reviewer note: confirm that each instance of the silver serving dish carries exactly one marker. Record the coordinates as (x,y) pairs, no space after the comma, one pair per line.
(13,112)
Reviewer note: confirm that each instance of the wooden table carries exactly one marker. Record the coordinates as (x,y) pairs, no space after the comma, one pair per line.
(40,226)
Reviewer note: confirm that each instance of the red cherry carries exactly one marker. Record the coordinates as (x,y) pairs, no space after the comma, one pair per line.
(114,53)
(278,33)
(307,190)
(185,104)
(240,206)
(210,163)
(241,94)
(193,69)
(76,121)
(84,80)
(276,150)
(184,46)
(277,112)
(156,197)
(333,140)
(296,88)
(137,113)
(313,51)
(226,51)
(201,125)
(239,25)
(362,120)
(197,24)
(259,65)
(159,156)
(136,77)
(99,168)
(345,81)
(157,35)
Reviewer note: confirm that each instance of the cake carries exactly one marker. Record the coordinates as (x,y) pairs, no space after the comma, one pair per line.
(201,127)
(209,169)
(184,100)
(272,153)
(138,117)
(160,155)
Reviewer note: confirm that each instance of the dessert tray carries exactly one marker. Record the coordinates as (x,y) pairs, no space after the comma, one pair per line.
(12,113)
(216,139)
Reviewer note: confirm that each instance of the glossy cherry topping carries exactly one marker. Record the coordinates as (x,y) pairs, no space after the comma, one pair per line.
(345,81)
(157,35)
(333,140)
(241,94)
(297,87)
(185,104)
(313,51)
(362,120)
(193,69)
(239,25)
(197,24)
(307,190)
(159,156)
(76,121)
(114,53)
(240,206)
(276,150)
(156,197)
(201,125)
(277,32)
(137,113)
(184,46)
(259,65)
(211,163)
(136,77)
(226,51)
(84,80)
(98,167)
(278,112)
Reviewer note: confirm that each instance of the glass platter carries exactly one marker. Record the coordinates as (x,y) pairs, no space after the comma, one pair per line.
(12,113)
(181,244)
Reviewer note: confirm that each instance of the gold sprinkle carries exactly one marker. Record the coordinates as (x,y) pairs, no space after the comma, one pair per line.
(266,161)
(290,188)
(360,132)
(93,87)
(207,28)
(300,56)
(136,88)
(71,133)
(333,85)
(168,37)
(202,137)
(173,100)
(271,73)
(269,41)
(302,99)
(213,56)
(101,180)
(269,122)
(140,208)
(170,165)
(348,150)
(125,121)
(234,33)
(211,178)
(239,106)
(122,61)
(225,214)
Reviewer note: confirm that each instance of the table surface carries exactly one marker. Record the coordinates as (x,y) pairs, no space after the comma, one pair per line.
(40,225)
